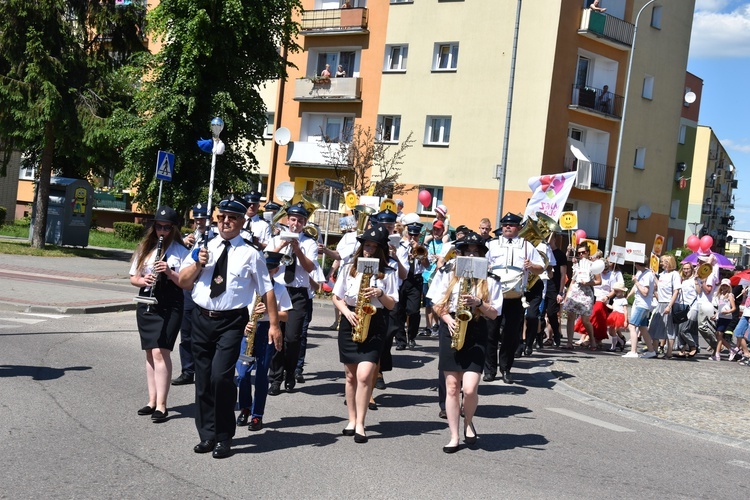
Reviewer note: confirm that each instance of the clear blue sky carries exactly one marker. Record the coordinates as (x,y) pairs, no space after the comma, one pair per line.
(720,55)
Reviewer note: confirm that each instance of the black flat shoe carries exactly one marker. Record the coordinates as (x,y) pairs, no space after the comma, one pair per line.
(348,432)
(360,438)
(147,410)
(372,406)
(204,446)
(242,419)
(507,378)
(299,378)
(488,377)
(289,384)
(274,390)
(183,379)
(222,449)
(450,449)
(470,440)
(158,416)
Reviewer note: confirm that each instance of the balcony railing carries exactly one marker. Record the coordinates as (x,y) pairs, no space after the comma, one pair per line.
(597,100)
(334,21)
(607,27)
(339,89)
(312,154)
(591,175)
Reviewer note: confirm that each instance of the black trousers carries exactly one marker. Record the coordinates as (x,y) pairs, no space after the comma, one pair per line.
(216,347)
(508,337)
(284,362)
(551,309)
(534,298)
(408,307)
(186,334)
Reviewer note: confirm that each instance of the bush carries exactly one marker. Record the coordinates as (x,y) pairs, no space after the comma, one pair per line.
(3,213)
(128,231)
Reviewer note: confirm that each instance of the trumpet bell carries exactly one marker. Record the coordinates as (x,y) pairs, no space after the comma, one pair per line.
(364,214)
(549,224)
(310,231)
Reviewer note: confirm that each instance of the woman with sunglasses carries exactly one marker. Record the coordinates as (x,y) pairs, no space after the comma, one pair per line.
(579,301)
(159,324)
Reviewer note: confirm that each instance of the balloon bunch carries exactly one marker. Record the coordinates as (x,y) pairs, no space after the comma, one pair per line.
(703,244)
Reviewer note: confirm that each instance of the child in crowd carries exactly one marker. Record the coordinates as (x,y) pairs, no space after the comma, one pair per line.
(618,318)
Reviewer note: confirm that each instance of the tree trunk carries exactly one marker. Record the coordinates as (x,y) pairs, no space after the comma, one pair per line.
(38,239)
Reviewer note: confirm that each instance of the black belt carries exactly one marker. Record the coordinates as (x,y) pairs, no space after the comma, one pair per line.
(221,314)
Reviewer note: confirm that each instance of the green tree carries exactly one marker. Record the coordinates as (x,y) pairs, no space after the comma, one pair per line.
(213,58)
(58,61)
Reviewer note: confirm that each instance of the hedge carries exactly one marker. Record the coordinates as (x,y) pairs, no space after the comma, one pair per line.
(128,230)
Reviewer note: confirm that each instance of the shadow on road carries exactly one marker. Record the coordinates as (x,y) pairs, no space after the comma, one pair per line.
(38,372)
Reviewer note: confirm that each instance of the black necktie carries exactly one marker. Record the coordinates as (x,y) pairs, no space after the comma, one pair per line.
(289,271)
(510,241)
(219,279)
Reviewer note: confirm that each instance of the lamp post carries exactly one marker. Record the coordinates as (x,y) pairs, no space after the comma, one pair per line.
(217,125)
(611,218)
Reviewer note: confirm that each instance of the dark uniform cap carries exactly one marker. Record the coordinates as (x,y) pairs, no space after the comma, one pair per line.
(298,209)
(273,259)
(471,239)
(415,228)
(511,219)
(272,206)
(463,229)
(200,211)
(252,197)
(497,232)
(377,234)
(166,214)
(234,204)
(386,216)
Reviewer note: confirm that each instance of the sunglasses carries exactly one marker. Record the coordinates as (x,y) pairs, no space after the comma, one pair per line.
(163,227)
(581,253)
(509,224)
(231,218)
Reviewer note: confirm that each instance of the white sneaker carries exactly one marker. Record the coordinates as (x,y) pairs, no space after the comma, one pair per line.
(630,354)
(648,354)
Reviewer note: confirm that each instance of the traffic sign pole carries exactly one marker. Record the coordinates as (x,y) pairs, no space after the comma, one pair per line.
(161,185)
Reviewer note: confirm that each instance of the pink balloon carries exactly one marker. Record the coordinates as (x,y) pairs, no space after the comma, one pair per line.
(706,243)
(425,198)
(580,235)
(693,243)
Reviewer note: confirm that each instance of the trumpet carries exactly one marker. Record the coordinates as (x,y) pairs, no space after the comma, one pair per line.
(419,252)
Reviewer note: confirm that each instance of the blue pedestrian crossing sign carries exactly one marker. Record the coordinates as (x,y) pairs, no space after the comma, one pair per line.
(164,166)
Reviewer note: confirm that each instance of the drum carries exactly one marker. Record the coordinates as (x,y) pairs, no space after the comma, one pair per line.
(511,281)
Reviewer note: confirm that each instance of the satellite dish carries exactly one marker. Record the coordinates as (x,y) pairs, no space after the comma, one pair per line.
(282,136)
(644,212)
(690,97)
(285,191)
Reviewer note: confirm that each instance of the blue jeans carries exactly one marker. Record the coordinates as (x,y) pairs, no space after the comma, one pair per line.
(263,353)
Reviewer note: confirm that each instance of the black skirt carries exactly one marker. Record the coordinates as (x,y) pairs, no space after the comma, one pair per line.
(159,327)
(369,350)
(471,356)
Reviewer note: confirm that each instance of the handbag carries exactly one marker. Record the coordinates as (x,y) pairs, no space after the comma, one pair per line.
(679,313)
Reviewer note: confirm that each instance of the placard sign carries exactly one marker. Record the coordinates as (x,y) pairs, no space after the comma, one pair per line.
(635,252)
(617,254)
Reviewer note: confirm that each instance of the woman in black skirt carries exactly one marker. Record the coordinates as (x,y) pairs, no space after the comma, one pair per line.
(463,368)
(159,324)
(361,358)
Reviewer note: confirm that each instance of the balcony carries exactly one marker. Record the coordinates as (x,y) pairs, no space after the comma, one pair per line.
(331,89)
(591,175)
(312,154)
(334,22)
(595,100)
(608,29)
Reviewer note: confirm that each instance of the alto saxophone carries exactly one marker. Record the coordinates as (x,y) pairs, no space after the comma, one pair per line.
(463,315)
(247,357)
(364,311)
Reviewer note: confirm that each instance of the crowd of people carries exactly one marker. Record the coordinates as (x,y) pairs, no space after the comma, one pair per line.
(240,295)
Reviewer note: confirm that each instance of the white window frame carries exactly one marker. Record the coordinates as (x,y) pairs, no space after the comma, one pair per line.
(27,173)
(437,199)
(648,87)
(388,126)
(451,55)
(270,124)
(656,17)
(399,59)
(682,134)
(345,129)
(440,125)
(639,161)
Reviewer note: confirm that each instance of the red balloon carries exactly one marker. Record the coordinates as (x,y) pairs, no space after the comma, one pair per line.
(580,235)
(693,243)
(706,243)
(425,198)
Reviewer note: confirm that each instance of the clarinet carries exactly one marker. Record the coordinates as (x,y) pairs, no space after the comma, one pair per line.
(157,258)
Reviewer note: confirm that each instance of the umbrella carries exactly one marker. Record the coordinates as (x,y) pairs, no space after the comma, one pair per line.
(741,278)
(720,259)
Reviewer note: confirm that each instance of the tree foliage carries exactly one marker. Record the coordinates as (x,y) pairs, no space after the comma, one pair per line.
(213,59)
(58,85)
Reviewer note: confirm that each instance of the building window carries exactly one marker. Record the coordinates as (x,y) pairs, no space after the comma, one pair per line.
(640,158)
(347,59)
(268,132)
(395,58)
(388,129)
(438,130)
(656,17)
(446,57)
(326,128)
(27,172)
(402,1)
(683,132)
(437,199)
(674,211)
(648,87)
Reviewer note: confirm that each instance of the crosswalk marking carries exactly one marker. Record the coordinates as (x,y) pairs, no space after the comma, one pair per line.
(739,463)
(590,420)
(48,316)
(25,321)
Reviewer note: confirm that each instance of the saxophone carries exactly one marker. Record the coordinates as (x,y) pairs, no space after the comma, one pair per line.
(463,315)
(364,311)
(247,357)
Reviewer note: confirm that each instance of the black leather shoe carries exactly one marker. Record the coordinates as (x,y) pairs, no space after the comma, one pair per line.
(360,438)
(450,449)
(527,351)
(299,378)
(274,390)
(507,378)
(158,417)
(222,449)
(256,424)
(348,432)
(380,383)
(204,446)
(289,385)
(488,377)
(242,419)
(147,410)
(400,347)
(471,440)
(183,379)
(442,414)
(372,406)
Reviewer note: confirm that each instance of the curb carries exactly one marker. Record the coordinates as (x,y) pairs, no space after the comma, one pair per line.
(23,308)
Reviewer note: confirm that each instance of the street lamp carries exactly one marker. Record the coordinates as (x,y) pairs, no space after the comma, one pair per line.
(217,125)
(611,218)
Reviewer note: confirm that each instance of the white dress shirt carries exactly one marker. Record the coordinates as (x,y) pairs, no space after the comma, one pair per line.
(301,277)
(347,287)
(439,287)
